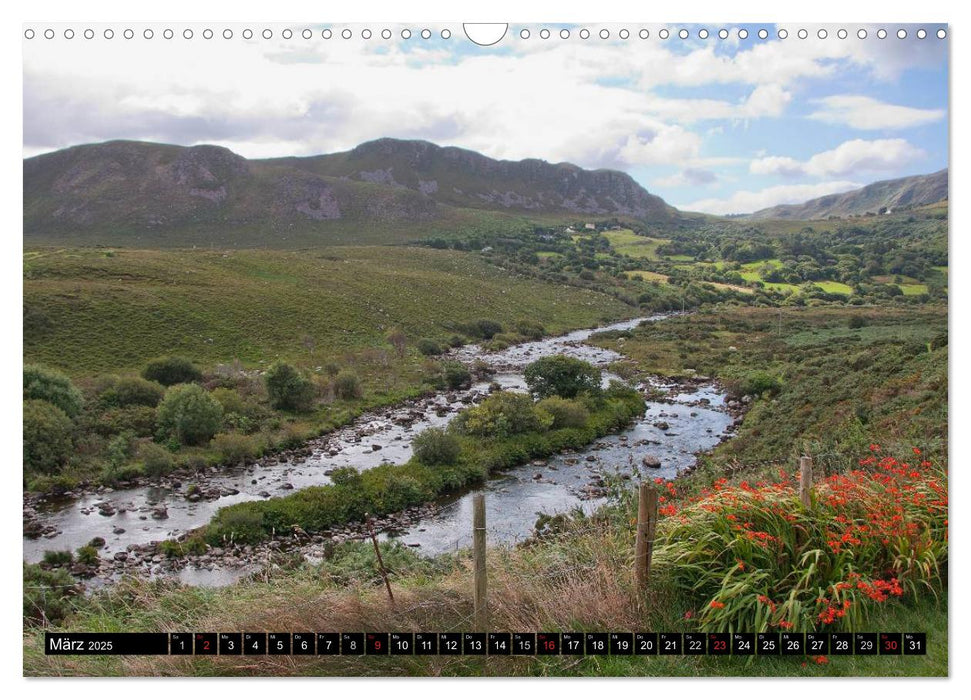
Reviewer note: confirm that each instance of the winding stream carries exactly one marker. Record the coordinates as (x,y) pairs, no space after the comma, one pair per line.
(672,430)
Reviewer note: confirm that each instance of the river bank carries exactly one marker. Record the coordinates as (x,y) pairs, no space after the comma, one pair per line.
(682,419)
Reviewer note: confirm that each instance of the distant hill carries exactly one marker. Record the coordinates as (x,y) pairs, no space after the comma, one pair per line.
(880,197)
(166,193)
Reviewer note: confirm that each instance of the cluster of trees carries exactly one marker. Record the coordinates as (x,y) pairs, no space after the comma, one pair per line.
(127,426)
(559,387)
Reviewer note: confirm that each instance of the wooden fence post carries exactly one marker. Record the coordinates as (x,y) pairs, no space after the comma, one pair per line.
(479,562)
(377,552)
(805,481)
(644,542)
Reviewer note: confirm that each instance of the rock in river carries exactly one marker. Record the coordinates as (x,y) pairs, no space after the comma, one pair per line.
(651,462)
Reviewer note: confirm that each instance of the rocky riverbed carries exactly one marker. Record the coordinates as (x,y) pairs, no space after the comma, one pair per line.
(682,419)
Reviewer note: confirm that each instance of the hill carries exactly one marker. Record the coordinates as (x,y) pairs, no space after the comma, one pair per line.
(137,193)
(879,197)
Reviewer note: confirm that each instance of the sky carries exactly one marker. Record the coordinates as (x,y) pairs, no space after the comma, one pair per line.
(720,125)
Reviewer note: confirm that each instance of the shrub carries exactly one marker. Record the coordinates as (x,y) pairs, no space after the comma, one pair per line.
(48,595)
(88,556)
(857,321)
(566,413)
(436,446)
(132,391)
(156,460)
(48,385)
(234,448)
(457,376)
(172,370)
(428,347)
(229,399)
(456,341)
(502,414)
(139,420)
(57,559)
(189,414)
(758,383)
(561,376)
(346,476)
(530,329)
(240,523)
(47,437)
(347,385)
(483,329)
(288,389)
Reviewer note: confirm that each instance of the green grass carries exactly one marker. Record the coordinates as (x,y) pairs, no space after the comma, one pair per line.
(626,242)
(834,287)
(913,289)
(115,311)
(648,275)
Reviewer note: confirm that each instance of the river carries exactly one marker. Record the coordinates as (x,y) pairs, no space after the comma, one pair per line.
(673,430)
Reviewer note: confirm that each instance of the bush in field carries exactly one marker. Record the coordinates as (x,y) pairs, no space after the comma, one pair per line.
(288,389)
(566,413)
(482,329)
(347,385)
(758,383)
(139,420)
(756,559)
(188,414)
(457,375)
(856,321)
(170,371)
(47,437)
(44,384)
(502,414)
(156,460)
(561,376)
(132,391)
(234,448)
(436,446)
(229,399)
(428,347)
(530,329)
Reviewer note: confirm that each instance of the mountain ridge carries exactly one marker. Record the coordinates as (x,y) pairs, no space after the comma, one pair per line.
(143,186)
(876,198)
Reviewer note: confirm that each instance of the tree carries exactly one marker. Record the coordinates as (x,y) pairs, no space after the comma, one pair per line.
(189,414)
(47,437)
(53,387)
(561,375)
(288,389)
(170,371)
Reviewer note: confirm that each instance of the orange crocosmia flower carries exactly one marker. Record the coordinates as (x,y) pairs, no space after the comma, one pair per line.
(716,605)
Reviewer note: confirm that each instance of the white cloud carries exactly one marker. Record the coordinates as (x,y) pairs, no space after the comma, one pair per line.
(689,177)
(746,201)
(848,158)
(866,113)
(776,165)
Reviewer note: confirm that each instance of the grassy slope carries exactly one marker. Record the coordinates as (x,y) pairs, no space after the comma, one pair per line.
(115,310)
(841,388)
